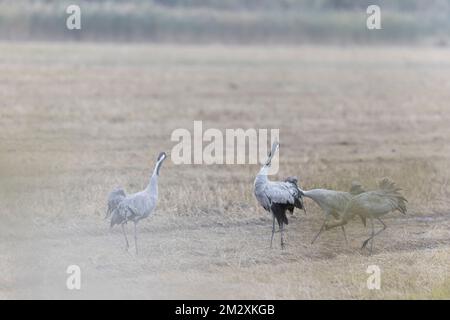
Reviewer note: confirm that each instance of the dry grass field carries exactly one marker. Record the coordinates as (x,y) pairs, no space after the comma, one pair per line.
(79,119)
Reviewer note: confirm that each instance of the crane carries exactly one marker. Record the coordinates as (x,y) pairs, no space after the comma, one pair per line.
(332,202)
(277,196)
(372,205)
(134,207)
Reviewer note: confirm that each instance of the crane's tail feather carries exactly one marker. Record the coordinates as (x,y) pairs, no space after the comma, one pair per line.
(279,211)
(115,218)
(298,202)
(390,191)
(114,199)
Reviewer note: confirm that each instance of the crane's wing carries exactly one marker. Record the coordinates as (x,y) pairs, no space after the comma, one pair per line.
(282,192)
(114,199)
(292,179)
(125,211)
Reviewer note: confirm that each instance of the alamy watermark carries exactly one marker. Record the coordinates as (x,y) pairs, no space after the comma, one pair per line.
(374,280)
(373,21)
(73,21)
(232,146)
(73,281)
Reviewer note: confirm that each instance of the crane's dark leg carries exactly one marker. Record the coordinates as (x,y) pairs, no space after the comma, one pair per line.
(273,230)
(135,237)
(125,234)
(374,234)
(371,237)
(345,235)
(384,227)
(282,235)
(320,231)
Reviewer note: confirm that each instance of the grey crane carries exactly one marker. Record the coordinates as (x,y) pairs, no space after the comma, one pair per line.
(372,205)
(134,207)
(277,197)
(332,203)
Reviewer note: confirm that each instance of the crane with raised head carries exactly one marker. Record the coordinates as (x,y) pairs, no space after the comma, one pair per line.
(277,197)
(137,206)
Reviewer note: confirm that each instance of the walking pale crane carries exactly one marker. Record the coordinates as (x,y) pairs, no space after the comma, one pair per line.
(332,203)
(372,205)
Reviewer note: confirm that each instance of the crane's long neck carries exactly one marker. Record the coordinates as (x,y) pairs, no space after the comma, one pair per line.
(152,187)
(306,193)
(261,178)
(315,194)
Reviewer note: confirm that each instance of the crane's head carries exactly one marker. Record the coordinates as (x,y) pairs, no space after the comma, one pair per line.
(162,156)
(275,147)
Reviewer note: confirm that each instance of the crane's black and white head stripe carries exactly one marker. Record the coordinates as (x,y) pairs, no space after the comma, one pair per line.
(162,156)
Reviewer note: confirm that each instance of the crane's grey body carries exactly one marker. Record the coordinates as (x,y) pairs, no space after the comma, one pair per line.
(332,203)
(137,206)
(373,205)
(269,192)
(277,197)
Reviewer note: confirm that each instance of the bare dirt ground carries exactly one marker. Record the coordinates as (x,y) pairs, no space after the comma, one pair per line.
(78,120)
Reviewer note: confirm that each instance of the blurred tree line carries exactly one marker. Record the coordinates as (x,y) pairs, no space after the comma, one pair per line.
(228,21)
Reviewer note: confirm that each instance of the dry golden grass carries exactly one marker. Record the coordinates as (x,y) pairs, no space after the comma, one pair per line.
(78,120)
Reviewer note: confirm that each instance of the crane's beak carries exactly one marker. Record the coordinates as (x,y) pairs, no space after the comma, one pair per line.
(269,159)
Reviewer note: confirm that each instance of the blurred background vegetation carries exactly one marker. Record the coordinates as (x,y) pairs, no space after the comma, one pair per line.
(228,21)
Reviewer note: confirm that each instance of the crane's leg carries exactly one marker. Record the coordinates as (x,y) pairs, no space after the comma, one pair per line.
(125,234)
(135,237)
(273,231)
(323,227)
(371,237)
(336,223)
(345,235)
(374,234)
(379,231)
(320,231)
(282,235)
(384,227)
